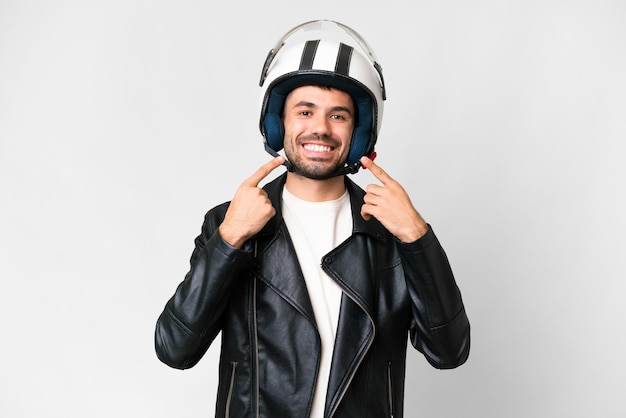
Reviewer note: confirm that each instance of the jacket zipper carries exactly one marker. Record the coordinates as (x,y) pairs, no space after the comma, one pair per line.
(389,390)
(343,392)
(256,340)
(229,397)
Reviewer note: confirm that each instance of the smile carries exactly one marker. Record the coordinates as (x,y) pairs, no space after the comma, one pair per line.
(317,147)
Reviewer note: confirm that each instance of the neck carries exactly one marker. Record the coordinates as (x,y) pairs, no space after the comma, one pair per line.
(315,190)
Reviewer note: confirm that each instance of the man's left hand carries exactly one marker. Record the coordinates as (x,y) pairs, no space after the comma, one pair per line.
(391,205)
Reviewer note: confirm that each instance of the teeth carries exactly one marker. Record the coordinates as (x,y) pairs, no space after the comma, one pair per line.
(317,148)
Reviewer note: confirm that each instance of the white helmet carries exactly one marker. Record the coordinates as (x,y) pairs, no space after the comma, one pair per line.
(326,53)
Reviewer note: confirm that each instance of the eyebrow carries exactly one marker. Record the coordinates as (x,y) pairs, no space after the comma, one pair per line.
(304,103)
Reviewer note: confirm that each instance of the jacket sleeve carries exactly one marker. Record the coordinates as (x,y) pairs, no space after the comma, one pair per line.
(439,328)
(191,318)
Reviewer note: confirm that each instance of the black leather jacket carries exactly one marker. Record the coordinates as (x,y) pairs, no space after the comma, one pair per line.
(258,299)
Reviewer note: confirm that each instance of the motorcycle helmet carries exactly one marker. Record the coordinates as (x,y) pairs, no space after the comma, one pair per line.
(323,53)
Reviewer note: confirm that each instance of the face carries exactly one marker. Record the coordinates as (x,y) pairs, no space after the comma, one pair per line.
(318,128)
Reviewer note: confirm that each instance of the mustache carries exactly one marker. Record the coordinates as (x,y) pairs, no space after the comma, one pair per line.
(323,139)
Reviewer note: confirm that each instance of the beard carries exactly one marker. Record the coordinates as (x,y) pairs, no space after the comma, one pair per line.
(313,168)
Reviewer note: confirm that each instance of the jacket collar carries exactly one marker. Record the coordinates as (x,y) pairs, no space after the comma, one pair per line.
(274,190)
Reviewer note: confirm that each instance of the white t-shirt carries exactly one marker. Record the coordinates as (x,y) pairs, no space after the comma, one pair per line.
(316,228)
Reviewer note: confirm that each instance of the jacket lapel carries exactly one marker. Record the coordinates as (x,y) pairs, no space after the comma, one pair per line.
(352,266)
(279,269)
(278,265)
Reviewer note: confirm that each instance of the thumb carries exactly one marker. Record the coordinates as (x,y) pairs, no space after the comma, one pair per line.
(365,214)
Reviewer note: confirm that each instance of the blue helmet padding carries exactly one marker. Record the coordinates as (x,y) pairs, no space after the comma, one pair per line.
(274,131)
(363,139)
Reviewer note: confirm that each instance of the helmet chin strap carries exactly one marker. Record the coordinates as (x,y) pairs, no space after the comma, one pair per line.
(346,169)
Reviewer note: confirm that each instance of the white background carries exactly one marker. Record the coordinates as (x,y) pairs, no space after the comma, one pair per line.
(122,122)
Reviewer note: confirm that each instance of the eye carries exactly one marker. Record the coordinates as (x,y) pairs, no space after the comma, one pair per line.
(338,117)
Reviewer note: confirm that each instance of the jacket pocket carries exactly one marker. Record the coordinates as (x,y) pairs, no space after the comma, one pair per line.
(389,390)
(231,384)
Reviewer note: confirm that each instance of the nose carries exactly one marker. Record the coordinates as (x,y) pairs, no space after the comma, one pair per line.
(320,125)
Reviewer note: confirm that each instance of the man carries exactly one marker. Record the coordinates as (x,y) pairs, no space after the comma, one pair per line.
(315,284)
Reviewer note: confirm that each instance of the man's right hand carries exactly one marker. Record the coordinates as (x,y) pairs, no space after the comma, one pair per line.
(250,208)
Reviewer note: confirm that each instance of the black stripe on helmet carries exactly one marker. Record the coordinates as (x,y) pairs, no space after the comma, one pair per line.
(342,66)
(308,55)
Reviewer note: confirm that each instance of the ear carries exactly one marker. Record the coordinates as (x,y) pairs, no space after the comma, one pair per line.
(274,131)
